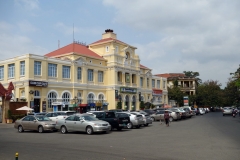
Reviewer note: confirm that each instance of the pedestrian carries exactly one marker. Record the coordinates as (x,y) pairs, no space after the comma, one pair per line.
(166,117)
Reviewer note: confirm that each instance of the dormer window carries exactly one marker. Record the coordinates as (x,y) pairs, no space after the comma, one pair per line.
(107,48)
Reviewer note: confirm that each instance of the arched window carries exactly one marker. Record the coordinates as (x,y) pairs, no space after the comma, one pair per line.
(101,98)
(66,97)
(36,93)
(52,97)
(134,99)
(127,98)
(90,98)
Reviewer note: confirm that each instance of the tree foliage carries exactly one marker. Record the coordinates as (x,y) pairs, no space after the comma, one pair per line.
(176,94)
(209,94)
(119,105)
(236,76)
(193,75)
(230,96)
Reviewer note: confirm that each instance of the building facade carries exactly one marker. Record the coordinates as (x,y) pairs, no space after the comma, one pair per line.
(84,78)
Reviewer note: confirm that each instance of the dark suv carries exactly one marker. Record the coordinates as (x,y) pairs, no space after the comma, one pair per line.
(117,120)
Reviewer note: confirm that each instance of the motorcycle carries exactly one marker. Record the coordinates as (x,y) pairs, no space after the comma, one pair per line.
(234,114)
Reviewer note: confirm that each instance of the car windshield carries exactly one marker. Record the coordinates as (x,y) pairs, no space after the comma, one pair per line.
(43,118)
(89,118)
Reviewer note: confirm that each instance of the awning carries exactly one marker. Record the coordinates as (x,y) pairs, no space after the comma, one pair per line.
(83,105)
(72,105)
(167,106)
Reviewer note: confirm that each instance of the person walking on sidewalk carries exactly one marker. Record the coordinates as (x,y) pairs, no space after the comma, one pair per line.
(166,117)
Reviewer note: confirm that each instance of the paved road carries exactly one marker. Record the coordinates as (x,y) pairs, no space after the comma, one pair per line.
(210,136)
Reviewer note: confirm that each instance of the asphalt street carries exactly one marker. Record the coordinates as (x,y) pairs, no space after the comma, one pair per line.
(209,137)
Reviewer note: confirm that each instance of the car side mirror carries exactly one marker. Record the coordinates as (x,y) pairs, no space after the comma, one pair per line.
(35,120)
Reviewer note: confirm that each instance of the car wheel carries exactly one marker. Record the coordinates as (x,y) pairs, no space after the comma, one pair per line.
(63,130)
(119,128)
(223,115)
(20,129)
(153,119)
(89,130)
(40,129)
(170,119)
(146,124)
(129,125)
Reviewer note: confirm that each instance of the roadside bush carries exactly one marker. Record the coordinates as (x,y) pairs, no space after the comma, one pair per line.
(15,117)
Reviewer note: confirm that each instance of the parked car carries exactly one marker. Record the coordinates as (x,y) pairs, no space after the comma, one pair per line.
(187,111)
(190,110)
(201,111)
(197,111)
(116,110)
(149,111)
(136,120)
(227,111)
(146,118)
(160,115)
(117,120)
(41,114)
(82,122)
(54,116)
(181,112)
(36,123)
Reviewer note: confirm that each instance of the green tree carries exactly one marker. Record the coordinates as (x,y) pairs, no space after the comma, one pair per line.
(230,94)
(236,77)
(142,106)
(209,94)
(176,94)
(193,75)
(119,105)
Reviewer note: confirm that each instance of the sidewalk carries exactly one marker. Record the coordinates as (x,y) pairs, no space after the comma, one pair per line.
(7,125)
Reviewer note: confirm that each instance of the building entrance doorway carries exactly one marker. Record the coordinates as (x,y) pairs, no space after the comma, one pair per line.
(36,105)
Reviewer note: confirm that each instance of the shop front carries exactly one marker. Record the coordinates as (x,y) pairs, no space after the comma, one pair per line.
(128,105)
(105,106)
(99,106)
(157,96)
(82,108)
(60,106)
(91,107)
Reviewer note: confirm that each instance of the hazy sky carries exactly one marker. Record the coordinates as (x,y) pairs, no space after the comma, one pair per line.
(172,36)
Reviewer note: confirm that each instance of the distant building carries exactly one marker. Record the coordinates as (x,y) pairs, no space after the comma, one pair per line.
(187,84)
(83,78)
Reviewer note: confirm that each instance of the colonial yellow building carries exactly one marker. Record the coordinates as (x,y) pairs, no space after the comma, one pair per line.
(93,77)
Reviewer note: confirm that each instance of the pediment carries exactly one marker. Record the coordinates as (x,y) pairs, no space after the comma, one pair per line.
(80,61)
(149,74)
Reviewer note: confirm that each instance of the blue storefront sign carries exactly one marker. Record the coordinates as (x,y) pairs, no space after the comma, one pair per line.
(55,108)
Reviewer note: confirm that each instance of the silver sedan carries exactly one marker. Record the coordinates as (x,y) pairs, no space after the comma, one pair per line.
(82,122)
(37,123)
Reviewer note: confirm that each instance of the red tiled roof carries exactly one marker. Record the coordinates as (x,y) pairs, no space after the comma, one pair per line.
(76,48)
(167,75)
(106,40)
(142,66)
